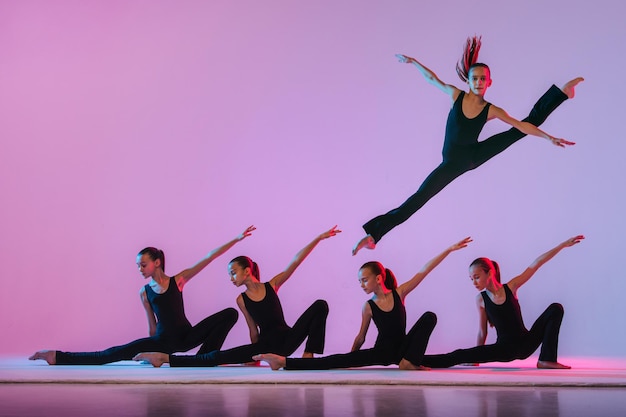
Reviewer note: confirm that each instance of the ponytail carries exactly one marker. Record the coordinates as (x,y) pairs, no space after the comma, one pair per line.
(496,268)
(390,280)
(469,58)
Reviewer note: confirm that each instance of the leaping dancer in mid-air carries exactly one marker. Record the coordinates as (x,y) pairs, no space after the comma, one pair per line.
(461,150)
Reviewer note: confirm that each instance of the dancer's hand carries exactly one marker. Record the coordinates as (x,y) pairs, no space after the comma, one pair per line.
(330,233)
(246,233)
(460,244)
(404,59)
(561,142)
(572,241)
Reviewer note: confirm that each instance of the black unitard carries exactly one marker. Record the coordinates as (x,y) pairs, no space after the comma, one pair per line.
(275,336)
(174,333)
(461,153)
(514,341)
(391,345)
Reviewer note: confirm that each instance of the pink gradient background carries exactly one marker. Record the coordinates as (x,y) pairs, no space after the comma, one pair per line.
(179,123)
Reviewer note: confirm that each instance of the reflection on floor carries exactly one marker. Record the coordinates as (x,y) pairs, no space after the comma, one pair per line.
(592,388)
(93,400)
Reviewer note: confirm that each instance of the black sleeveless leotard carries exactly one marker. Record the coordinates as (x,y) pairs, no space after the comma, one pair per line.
(505,317)
(267,313)
(391,324)
(169,310)
(461,131)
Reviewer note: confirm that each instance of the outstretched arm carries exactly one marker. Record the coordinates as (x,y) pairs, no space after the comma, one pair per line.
(404,289)
(525,127)
(521,279)
(280,279)
(365,324)
(183,277)
(430,76)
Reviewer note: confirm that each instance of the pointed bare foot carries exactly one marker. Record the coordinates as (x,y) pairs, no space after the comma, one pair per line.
(367,242)
(49,356)
(275,361)
(569,87)
(155,359)
(551,365)
(408,366)
(307,355)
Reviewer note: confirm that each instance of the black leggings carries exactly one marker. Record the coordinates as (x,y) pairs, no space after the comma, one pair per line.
(544,332)
(210,332)
(311,326)
(459,161)
(412,349)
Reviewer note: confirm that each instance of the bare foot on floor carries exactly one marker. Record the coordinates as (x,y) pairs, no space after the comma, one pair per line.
(49,356)
(569,87)
(275,361)
(408,366)
(155,359)
(551,365)
(367,242)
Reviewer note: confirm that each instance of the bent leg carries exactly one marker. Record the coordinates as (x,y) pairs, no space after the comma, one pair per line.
(545,330)
(494,145)
(443,175)
(417,338)
(211,332)
(312,326)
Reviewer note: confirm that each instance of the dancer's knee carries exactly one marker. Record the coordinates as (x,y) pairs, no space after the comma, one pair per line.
(429,318)
(321,306)
(230,315)
(556,309)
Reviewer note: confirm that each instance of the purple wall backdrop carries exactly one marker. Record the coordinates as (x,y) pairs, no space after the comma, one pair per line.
(178,123)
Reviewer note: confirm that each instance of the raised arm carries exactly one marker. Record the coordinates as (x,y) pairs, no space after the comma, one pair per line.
(152,323)
(366,318)
(404,289)
(254,329)
(521,279)
(183,277)
(280,279)
(525,127)
(430,76)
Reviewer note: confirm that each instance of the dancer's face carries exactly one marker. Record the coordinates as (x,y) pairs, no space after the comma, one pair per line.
(237,273)
(368,280)
(147,265)
(479,79)
(479,277)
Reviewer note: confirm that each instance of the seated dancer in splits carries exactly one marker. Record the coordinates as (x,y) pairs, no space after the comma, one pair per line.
(461,150)
(387,310)
(261,307)
(169,329)
(497,304)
